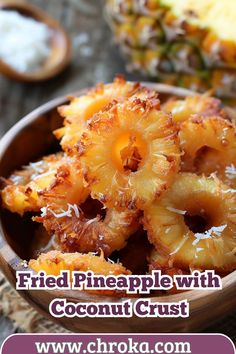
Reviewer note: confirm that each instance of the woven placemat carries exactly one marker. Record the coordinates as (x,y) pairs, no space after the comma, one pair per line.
(26,319)
(23,317)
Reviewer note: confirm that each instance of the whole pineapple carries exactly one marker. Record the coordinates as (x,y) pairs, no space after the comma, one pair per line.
(183,42)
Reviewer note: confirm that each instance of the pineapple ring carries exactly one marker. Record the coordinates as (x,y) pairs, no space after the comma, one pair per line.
(53,262)
(130,153)
(56,179)
(209,145)
(76,232)
(82,108)
(194,224)
(181,110)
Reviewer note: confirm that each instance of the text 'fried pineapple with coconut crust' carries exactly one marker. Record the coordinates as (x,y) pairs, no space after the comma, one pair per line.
(75,232)
(130,153)
(56,179)
(194,224)
(82,108)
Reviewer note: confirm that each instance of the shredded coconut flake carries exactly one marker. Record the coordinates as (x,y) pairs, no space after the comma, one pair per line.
(64,213)
(215,230)
(24,264)
(17,179)
(229,190)
(91,221)
(43,211)
(230,171)
(177,211)
(25,43)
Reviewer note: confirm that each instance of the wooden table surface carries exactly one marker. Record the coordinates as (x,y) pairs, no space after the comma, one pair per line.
(94,59)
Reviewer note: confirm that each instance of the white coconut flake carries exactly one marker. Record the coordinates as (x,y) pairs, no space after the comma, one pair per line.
(229,190)
(230,171)
(91,221)
(44,211)
(17,179)
(177,211)
(75,208)
(63,214)
(215,230)
(24,264)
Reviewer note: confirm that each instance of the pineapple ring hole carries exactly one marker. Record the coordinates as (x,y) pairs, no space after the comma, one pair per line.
(199,159)
(198,223)
(93,208)
(202,213)
(129,151)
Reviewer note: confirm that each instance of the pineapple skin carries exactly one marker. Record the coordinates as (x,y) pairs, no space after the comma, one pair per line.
(171,49)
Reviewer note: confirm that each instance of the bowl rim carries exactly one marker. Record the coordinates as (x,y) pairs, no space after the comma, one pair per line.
(228,281)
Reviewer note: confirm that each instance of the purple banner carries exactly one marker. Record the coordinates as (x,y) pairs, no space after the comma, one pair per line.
(117,344)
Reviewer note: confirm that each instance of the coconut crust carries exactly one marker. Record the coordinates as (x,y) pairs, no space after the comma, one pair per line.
(79,233)
(136,147)
(56,180)
(193,226)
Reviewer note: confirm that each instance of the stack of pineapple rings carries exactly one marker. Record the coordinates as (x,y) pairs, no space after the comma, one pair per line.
(131,162)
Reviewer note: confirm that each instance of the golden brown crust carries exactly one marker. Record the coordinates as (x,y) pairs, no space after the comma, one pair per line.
(136,148)
(56,179)
(54,262)
(78,233)
(193,225)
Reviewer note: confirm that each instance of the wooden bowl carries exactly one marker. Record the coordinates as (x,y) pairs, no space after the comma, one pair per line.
(60,54)
(31,138)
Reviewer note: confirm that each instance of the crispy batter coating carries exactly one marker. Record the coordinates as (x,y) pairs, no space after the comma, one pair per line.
(130,153)
(204,105)
(54,261)
(194,224)
(77,233)
(82,108)
(209,145)
(56,179)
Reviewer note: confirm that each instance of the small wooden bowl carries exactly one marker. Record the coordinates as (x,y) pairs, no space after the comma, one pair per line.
(31,138)
(60,54)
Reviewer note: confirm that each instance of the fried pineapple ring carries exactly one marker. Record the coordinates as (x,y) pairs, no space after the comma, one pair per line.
(130,153)
(75,232)
(181,110)
(56,179)
(194,224)
(84,107)
(53,262)
(209,145)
